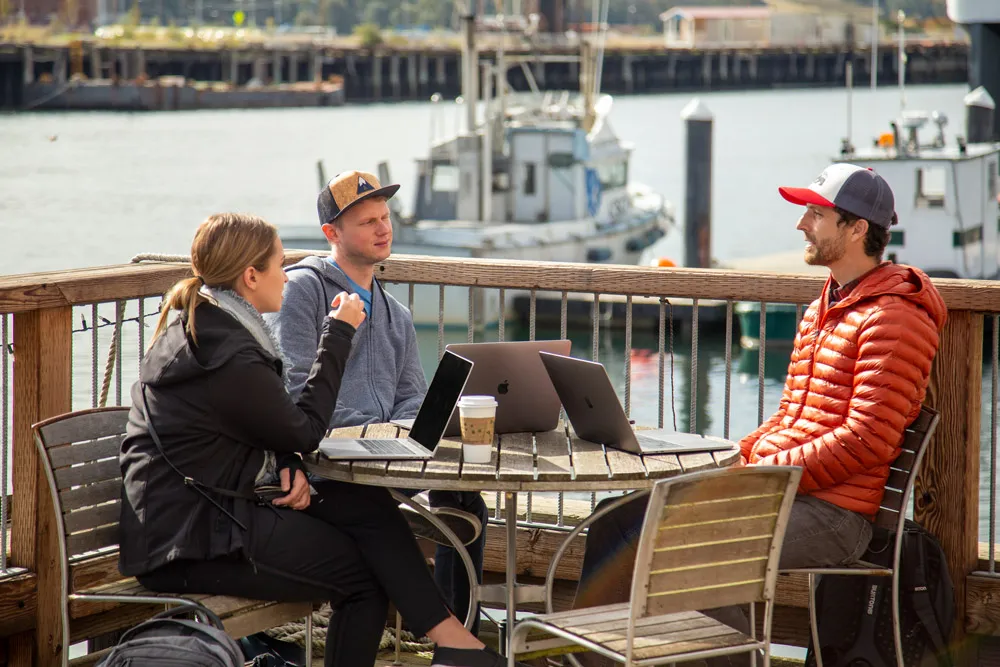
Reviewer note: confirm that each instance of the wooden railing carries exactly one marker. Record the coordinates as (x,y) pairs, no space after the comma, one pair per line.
(947,495)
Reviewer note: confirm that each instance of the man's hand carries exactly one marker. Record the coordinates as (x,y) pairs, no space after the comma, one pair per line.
(298,497)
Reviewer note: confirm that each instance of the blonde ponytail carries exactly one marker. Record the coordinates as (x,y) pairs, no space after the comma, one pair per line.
(182,296)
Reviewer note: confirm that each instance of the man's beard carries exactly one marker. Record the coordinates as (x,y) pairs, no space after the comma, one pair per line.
(826,252)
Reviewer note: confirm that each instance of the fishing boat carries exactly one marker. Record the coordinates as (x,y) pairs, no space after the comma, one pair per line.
(538,175)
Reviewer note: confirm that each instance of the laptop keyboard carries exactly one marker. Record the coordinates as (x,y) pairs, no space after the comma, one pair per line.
(385,446)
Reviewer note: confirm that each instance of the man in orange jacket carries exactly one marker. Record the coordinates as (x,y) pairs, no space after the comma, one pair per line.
(857,378)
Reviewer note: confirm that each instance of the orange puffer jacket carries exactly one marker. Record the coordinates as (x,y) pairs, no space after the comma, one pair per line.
(857,378)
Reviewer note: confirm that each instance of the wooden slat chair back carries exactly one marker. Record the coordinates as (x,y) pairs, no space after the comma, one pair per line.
(903,471)
(79,454)
(712,540)
(709,539)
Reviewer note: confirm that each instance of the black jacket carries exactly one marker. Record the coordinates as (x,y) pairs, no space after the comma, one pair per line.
(217,406)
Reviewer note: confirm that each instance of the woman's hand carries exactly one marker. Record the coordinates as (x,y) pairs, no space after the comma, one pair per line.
(298,497)
(348,308)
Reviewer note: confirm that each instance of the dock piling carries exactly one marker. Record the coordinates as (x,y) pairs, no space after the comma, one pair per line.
(698,122)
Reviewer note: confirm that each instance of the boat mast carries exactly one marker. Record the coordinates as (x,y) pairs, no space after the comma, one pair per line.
(901,17)
(470,67)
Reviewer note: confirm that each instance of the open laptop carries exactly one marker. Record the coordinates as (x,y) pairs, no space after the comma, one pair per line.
(593,408)
(511,372)
(439,402)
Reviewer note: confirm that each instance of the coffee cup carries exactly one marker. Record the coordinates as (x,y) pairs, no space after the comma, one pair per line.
(477,415)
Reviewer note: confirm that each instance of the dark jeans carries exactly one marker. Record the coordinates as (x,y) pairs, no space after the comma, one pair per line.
(449,572)
(818,534)
(351,547)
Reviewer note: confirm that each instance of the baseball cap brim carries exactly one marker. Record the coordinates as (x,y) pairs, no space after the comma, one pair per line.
(804,196)
(386,191)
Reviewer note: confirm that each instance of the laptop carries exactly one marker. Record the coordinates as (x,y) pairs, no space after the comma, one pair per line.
(593,408)
(513,374)
(439,402)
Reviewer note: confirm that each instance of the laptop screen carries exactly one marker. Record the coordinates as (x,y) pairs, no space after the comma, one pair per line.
(439,402)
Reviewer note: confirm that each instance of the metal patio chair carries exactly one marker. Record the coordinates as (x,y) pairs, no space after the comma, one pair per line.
(891,516)
(79,454)
(709,539)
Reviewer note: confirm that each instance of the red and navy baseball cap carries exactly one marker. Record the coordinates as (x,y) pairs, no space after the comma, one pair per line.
(345,190)
(855,189)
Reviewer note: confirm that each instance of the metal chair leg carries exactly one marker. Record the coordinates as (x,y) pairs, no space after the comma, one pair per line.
(896,630)
(399,636)
(813,625)
(309,639)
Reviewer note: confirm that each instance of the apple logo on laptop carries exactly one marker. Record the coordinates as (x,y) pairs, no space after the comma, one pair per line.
(503,387)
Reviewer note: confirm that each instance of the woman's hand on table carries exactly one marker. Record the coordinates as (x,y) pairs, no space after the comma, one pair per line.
(298,497)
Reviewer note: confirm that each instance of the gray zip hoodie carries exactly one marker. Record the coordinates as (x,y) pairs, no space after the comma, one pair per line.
(383,379)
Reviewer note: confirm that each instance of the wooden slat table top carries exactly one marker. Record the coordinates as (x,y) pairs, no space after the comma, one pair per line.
(551,461)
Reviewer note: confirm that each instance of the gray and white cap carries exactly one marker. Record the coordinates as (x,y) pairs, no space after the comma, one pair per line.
(857,190)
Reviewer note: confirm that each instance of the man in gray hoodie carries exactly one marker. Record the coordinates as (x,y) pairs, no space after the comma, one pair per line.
(383,379)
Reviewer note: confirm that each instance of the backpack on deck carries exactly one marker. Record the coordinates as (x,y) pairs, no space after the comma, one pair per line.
(168,641)
(854,613)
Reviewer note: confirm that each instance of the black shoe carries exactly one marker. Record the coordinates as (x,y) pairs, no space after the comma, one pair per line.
(469,657)
(466,526)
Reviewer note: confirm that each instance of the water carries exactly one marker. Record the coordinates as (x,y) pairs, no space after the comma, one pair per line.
(86,189)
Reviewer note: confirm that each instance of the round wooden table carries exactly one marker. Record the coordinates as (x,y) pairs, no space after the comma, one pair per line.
(549,461)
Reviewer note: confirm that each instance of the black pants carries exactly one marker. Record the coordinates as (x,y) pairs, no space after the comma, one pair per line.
(449,571)
(351,547)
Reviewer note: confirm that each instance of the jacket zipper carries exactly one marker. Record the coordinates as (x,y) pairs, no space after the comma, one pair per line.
(371,358)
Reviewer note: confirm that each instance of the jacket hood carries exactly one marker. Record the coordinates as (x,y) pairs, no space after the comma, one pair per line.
(174,357)
(322,265)
(902,281)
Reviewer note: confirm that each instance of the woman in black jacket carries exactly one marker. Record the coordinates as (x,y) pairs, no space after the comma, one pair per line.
(211,421)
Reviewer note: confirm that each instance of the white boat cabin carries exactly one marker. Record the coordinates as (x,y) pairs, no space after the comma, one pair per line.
(946,200)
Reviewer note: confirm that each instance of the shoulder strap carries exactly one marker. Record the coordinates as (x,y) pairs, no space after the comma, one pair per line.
(189,481)
(322,281)
(920,596)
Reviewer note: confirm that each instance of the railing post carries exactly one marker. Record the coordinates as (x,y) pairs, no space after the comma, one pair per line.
(946,499)
(43,359)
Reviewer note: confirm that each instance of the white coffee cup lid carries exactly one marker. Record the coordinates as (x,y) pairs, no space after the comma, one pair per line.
(477,402)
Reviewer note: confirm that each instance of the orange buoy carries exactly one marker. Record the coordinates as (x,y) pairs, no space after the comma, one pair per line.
(665,262)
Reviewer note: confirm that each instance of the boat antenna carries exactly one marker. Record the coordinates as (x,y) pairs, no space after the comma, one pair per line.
(875,35)
(901,17)
(601,41)
(848,146)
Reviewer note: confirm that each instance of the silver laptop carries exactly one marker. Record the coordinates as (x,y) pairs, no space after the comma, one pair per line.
(593,408)
(439,402)
(512,373)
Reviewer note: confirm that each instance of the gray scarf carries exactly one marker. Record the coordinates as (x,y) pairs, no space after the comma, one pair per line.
(245,314)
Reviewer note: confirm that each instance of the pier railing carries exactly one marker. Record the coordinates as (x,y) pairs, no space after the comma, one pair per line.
(74,339)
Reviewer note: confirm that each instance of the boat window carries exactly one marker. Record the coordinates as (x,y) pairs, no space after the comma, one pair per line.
(993,180)
(613,175)
(529,178)
(445,178)
(931,187)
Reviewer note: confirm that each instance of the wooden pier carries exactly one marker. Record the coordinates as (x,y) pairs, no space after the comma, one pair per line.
(387,73)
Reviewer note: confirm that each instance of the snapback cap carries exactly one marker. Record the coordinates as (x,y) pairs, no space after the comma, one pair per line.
(855,189)
(347,189)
